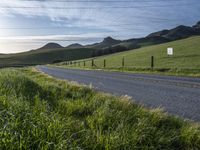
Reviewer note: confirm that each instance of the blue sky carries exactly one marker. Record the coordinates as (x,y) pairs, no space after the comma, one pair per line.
(29,24)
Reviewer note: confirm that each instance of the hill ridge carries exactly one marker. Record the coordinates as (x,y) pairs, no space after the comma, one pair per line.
(50,45)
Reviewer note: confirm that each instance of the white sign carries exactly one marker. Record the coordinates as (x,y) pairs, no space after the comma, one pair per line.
(170,51)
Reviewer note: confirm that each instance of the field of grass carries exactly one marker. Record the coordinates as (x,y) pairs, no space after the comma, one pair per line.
(40,112)
(186,58)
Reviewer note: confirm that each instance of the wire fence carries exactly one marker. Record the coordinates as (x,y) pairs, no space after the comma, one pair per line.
(109,63)
(151,62)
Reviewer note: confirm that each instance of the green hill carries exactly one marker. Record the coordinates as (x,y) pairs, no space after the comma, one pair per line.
(186,56)
(45,56)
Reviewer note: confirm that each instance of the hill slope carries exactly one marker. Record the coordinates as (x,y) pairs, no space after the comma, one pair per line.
(159,37)
(186,55)
(179,32)
(45,56)
(107,42)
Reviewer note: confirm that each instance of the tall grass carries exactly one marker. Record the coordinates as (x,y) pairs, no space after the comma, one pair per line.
(39,112)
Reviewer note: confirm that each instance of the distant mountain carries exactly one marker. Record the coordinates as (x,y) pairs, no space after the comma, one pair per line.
(197,26)
(159,33)
(107,42)
(51,46)
(159,37)
(75,45)
(110,41)
(147,41)
(177,33)
(110,45)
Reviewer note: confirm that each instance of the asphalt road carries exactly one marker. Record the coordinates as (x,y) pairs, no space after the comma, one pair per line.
(177,95)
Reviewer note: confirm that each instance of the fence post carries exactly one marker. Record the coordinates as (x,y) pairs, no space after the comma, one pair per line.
(84,63)
(152,62)
(104,63)
(79,63)
(92,62)
(123,62)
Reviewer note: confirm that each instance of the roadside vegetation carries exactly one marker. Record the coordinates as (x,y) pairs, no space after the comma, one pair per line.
(185,61)
(40,112)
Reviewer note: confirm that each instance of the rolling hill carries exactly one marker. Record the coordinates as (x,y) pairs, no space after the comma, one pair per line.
(107,42)
(186,56)
(45,56)
(75,45)
(159,37)
(179,32)
(50,46)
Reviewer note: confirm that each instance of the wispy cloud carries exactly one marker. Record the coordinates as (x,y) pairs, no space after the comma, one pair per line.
(79,37)
(70,17)
(75,24)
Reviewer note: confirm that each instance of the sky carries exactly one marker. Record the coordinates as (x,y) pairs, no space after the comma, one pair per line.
(29,24)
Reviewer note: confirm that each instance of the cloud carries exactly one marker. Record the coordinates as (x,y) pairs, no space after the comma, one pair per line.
(88,18)
(78,37)
(85,18)
(73,17)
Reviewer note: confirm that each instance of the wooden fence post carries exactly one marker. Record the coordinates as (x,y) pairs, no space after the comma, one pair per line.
(92,62)
(104,63)
(152,62)
(123,62)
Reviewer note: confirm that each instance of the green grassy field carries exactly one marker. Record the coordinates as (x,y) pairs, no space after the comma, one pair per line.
(186,58)
(40,112)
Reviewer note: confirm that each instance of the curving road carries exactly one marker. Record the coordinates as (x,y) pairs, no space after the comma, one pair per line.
(177,95)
